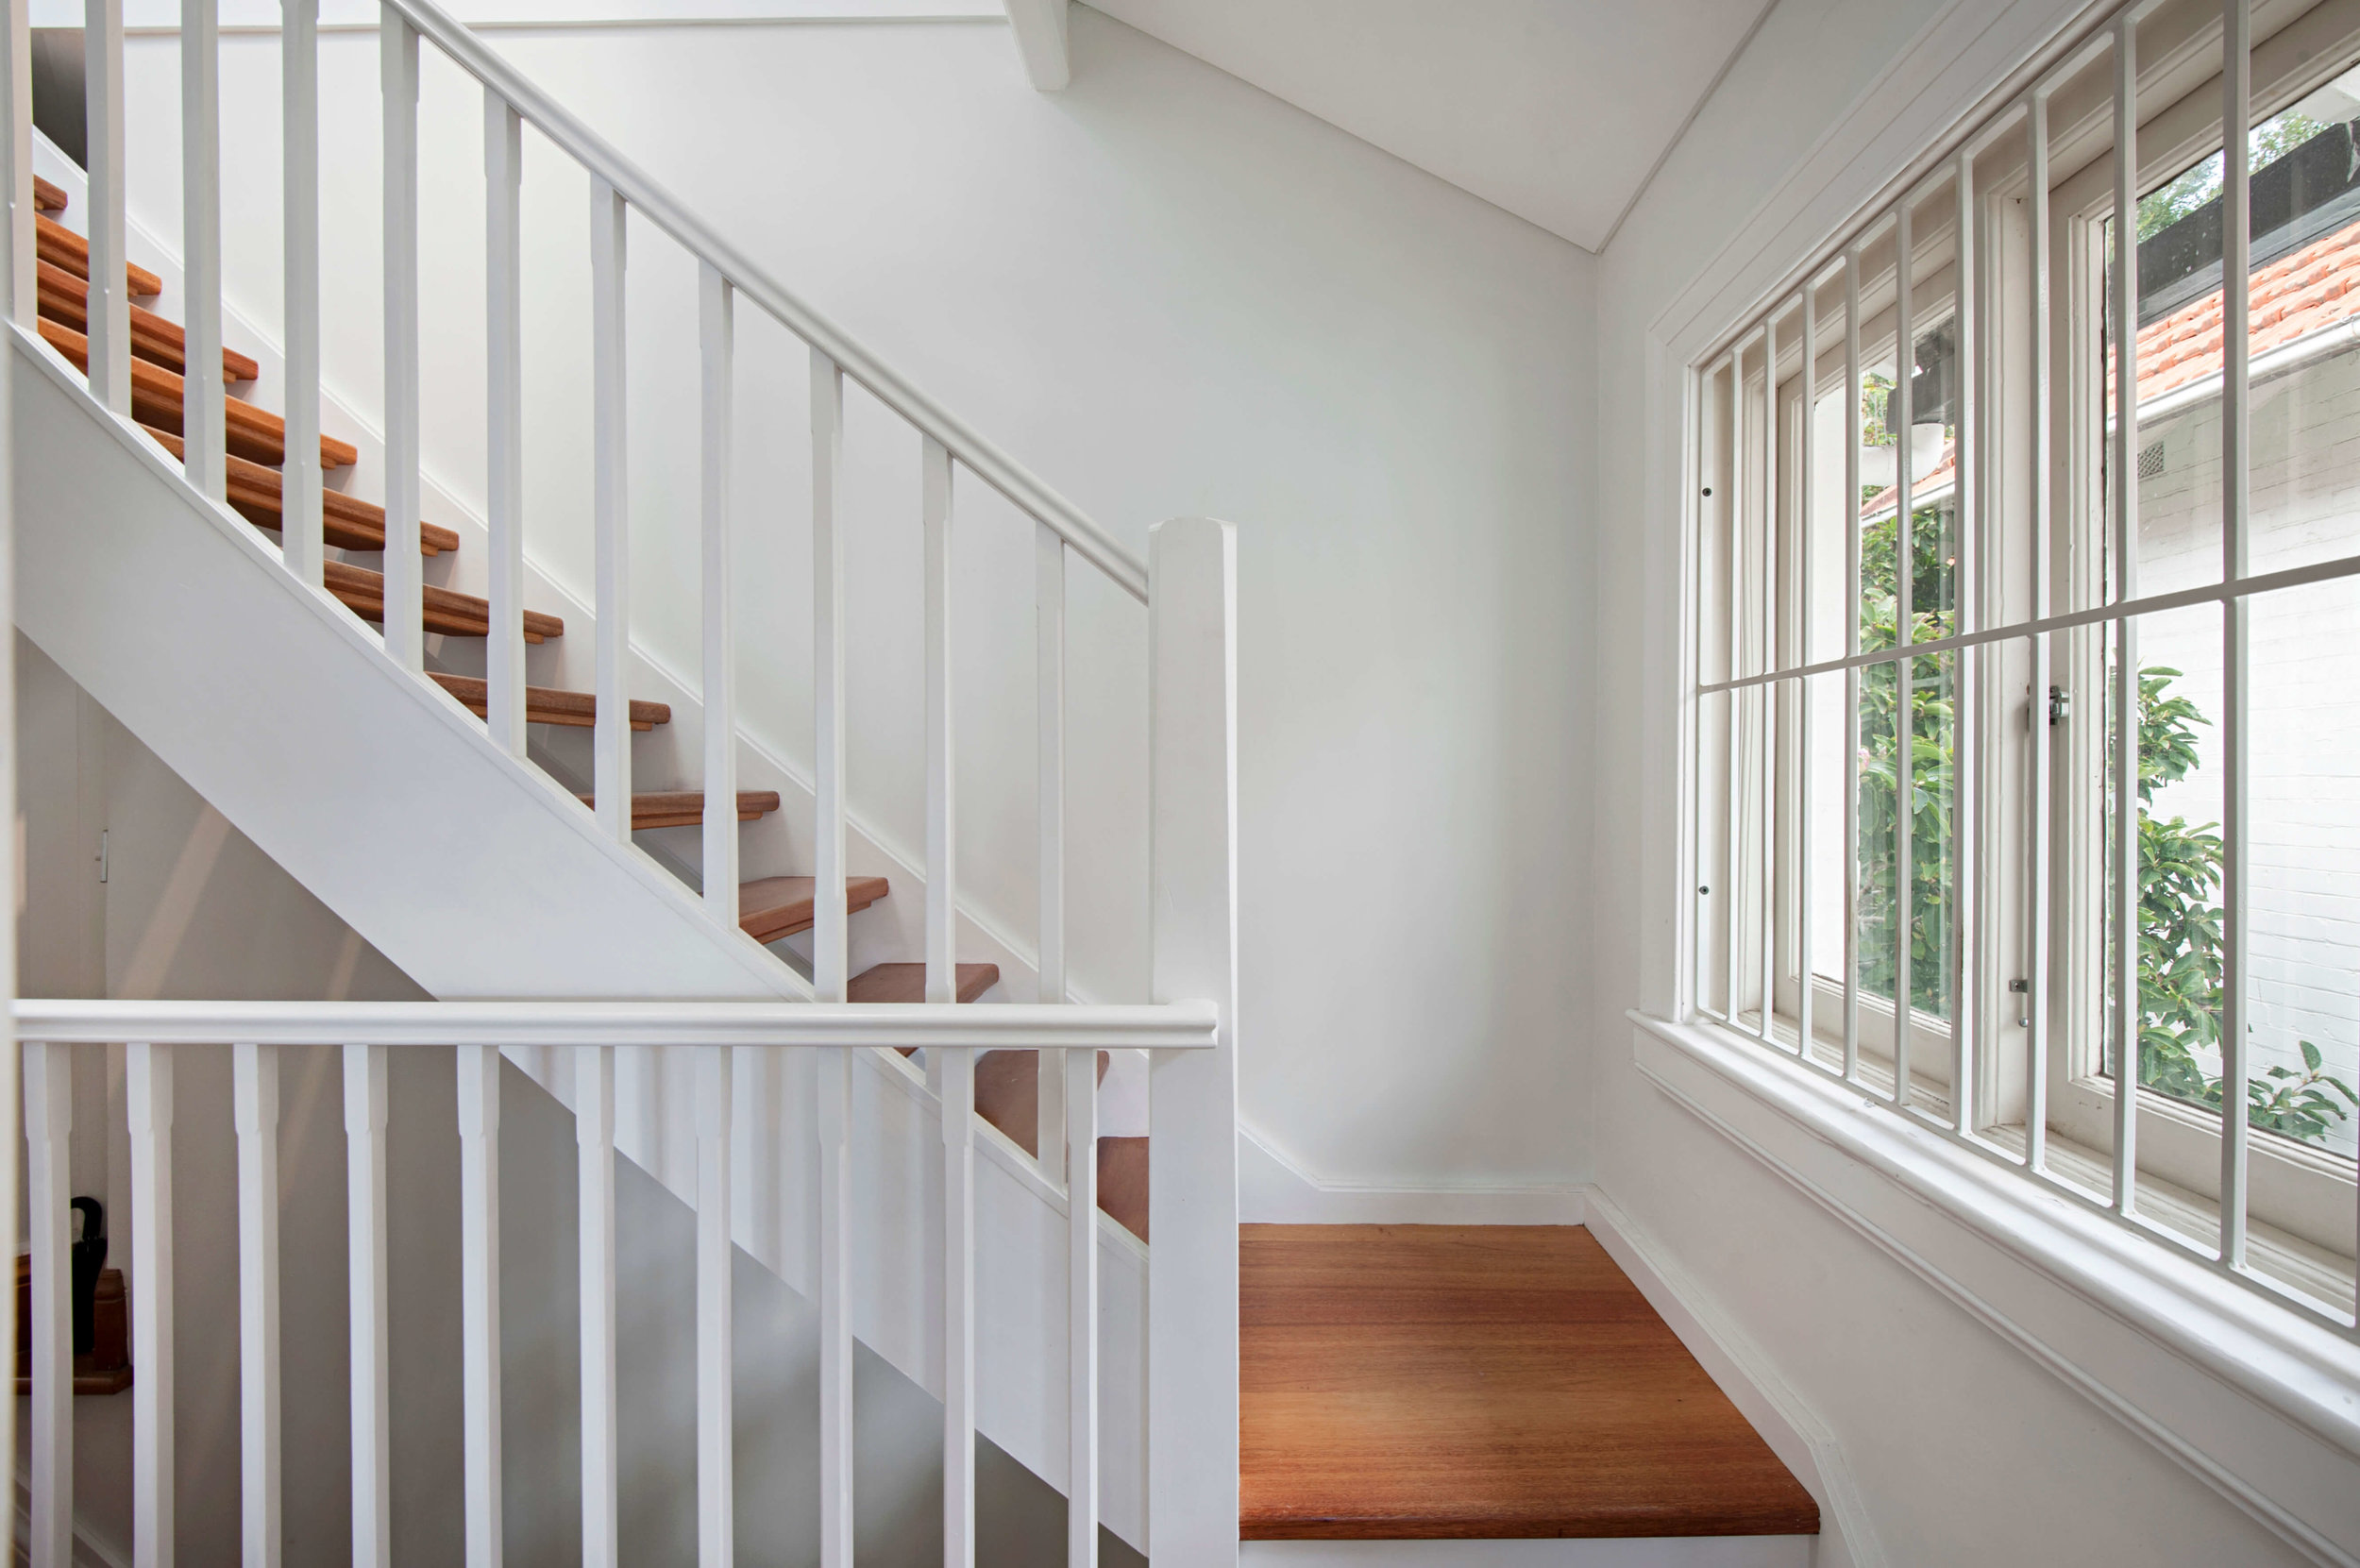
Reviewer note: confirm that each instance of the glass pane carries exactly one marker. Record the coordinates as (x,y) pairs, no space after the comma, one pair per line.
(1831,593)
(1934,413)
(1933,835)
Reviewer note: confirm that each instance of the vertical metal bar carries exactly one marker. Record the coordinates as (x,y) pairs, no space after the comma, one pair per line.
(1805,478)
(48,1129)
(110,307)
(504,467)
(1707,383)
(254,1088)
(364,1231)
(478,1069)
(147,1100)
(204,432)
(2236,777)
(830,930)
(594,1139)
(405,585)
(943,908)
(1904,913)
(1851,672)
(1966,838)
(2125,318)
(834,1112)
(301,492)
(716,1489)
(1734,979)
(611,510)
(1048,709)
(718,332)
(1081,1213)
(2036,803)
(956,1072)
(1765,938)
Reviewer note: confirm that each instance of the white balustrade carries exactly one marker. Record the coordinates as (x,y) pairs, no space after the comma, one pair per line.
(405,584)
(255,1097)
(147,1099)
(204,429)
(610,513)
(479,1296)
(364,1249)
(504,425)
(301,492)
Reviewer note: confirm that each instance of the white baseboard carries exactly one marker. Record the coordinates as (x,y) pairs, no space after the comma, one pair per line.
(1801,1440)
(1693,1551)
(1273,1189)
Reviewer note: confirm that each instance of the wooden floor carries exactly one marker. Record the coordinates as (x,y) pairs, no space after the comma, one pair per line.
(1480,1381)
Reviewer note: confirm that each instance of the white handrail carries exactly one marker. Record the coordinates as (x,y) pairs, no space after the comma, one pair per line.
(1152,1026)
(990,463)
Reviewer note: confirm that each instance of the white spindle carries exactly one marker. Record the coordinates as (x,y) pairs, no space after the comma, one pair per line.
(2235,493)
(147,1099)
(1081,1215)
(830,930)
(835,1117)
(21,276)
(478,1070)
(956,1072)
(2122,464)
(48,1128)
(364,1250)
(716,332)
(405,604)
(1049,665)
(300,490)
(255,1090)
(205,436)
(2038,721)
(109,326)
(504,470)
(716,1484)
(942,904)
(1192,1105)
(610,509)
(594,1137)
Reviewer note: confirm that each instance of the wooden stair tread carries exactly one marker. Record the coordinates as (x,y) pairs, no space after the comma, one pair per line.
(906,984)
(771,907)
(1480,1382)
(452,613)
(351,523)
(1007,1095)
(65,299)
(47,197)
(549,705)
(685,808)
(59,246)
(254,433)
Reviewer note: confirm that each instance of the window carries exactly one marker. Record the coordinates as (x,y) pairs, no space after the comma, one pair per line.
(2026,714)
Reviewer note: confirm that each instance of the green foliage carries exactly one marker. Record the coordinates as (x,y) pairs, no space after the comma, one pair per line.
(2199,183)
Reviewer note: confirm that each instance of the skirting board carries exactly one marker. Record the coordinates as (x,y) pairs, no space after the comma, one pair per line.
(1275,1189)
(1695,1551)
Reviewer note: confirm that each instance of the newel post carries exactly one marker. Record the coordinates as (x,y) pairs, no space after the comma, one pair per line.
(1193,1199)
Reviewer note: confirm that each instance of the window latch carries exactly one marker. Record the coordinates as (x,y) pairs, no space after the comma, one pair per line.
(2059,704)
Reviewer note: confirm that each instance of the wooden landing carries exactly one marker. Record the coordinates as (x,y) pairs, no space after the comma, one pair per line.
(1480,1381)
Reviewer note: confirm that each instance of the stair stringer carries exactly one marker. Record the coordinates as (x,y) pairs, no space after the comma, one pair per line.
(480,877)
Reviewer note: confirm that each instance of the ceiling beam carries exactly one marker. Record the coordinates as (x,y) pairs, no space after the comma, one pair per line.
(1040,26)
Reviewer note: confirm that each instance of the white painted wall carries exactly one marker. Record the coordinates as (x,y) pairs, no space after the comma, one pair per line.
(1965,1449)
(1170,294)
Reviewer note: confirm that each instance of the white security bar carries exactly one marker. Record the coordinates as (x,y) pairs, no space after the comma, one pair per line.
(2124,280)
(1897,418)
(2037,751)
(1851,647)
(2235,493)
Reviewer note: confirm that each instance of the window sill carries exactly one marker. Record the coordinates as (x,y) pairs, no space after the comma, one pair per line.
(2154,1338)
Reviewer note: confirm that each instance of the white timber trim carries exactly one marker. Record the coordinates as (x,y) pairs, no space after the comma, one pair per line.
(1041,32)
(2256,1400)
(1277,1187)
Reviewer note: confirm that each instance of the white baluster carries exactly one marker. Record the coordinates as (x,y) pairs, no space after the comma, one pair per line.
(716,332)
(717,1490)
(364,1251)
(594,1137)
(204,432)
(835,1115)
(1049,708)
(20,292)
(1081,1214)
(255,1071)
(48,1130)
(147,1098)
(478,1067)
(956,1072)
(504,470)
(611,510)
(1192,1105)
(405,605)
(110,293)
(300,490)
(943,908)
(831,921)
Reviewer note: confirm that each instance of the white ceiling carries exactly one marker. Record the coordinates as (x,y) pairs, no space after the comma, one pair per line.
(1555,110)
